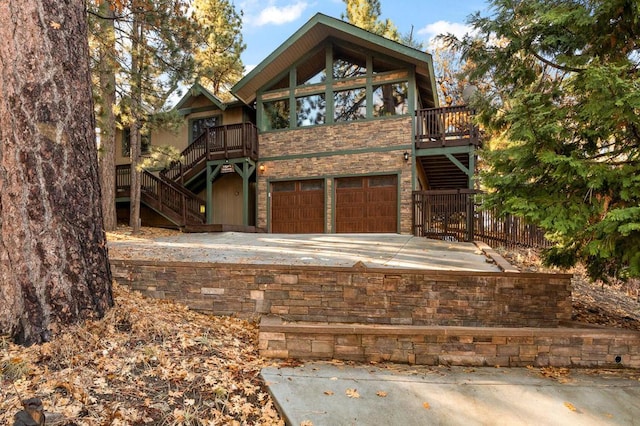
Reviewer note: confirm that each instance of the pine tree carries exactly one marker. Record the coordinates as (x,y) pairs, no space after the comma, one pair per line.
(54,268)
(565,124)
(218,45)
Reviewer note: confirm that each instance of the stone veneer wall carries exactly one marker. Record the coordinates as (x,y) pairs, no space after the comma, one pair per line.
(471,346)
(354,295)
(378,144)
(409,316)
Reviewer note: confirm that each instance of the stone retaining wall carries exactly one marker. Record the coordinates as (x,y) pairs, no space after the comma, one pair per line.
(470,346)
(356,295)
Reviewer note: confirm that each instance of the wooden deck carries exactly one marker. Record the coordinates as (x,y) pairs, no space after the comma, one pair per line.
(167,194)
(216,143)
(446,127)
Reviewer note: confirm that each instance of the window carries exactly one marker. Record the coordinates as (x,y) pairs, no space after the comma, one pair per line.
(199,125)
(349,105)
(348,63)
(276,115)
(283,186)
(311,185)
(313,70)
(311,110)
(145,143)
(390,99)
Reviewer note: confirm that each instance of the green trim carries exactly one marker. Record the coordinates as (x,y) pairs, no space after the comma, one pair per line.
(341,152)
(187,111)
(429,152)
(342,26)
(328,90)
(245,167)
(196,90)
(472,168)
(455,161)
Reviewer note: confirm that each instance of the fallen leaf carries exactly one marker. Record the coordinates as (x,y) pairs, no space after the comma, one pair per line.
(328,392)
(426,405)
(55,25)
(381,394)
(306,423)
(570,406)
(352,393)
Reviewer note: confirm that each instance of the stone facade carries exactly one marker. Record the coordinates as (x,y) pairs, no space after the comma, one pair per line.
(409,316)
(353,295)
(469,346)
(339,150)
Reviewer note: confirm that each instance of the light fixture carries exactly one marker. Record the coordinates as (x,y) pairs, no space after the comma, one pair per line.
(406,156)
(261,168)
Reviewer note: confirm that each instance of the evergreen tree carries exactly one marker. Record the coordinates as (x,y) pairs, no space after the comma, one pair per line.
(218,45)
(564,117)
(366,15)
(54,268)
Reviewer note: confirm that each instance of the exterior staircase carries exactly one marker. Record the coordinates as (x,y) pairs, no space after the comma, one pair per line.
(167,193)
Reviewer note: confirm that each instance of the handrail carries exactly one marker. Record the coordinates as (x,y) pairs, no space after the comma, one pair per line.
(178,203)
(240,139)
(440,126)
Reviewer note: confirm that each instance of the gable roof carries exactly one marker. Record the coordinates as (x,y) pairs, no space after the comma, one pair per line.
(194,91)
(321,27)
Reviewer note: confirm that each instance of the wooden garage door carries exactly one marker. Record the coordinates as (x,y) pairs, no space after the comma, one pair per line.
(297,207)
(367,204)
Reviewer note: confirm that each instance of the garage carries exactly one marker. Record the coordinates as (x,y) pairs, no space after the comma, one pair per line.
(297,207)
(367,204)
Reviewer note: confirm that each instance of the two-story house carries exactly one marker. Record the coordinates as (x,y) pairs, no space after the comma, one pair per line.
(348,128)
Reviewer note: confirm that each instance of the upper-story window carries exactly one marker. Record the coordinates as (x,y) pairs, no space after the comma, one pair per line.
(276,114)
(334,84)
(199,125)
(390,99)
(311,110)
(145,142)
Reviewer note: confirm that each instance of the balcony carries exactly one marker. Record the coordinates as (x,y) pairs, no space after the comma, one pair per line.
(446,127)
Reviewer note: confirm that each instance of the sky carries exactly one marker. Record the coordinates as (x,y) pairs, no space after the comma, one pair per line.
(268,23)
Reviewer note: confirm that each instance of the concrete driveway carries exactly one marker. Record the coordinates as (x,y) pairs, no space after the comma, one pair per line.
(345,250)
(326,394)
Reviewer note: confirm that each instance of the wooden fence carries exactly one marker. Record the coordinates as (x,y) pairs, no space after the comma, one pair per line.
(459,215)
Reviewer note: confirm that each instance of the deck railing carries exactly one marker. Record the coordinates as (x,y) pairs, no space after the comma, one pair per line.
(169,198)
(219,142)
(446,126)
(459,215)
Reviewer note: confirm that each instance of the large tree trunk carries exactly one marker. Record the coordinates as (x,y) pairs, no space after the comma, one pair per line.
(107,122)
(136,105)
(54,267)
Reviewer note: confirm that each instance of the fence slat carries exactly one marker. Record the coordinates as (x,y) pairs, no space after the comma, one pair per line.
(459,215)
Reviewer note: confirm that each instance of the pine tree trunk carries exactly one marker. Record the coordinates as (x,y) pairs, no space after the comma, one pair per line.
(107,81)
(54,267)
(136,104)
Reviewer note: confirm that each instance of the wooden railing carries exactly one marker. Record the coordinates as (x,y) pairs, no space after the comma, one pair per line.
(169,198)
(220,142)
(447,126)
(459,215)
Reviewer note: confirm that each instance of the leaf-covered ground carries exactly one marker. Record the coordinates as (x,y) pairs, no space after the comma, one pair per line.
(158,363)
(146,362)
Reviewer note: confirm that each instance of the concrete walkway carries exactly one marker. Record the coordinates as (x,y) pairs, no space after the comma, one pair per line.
(335,395)
(374,250)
